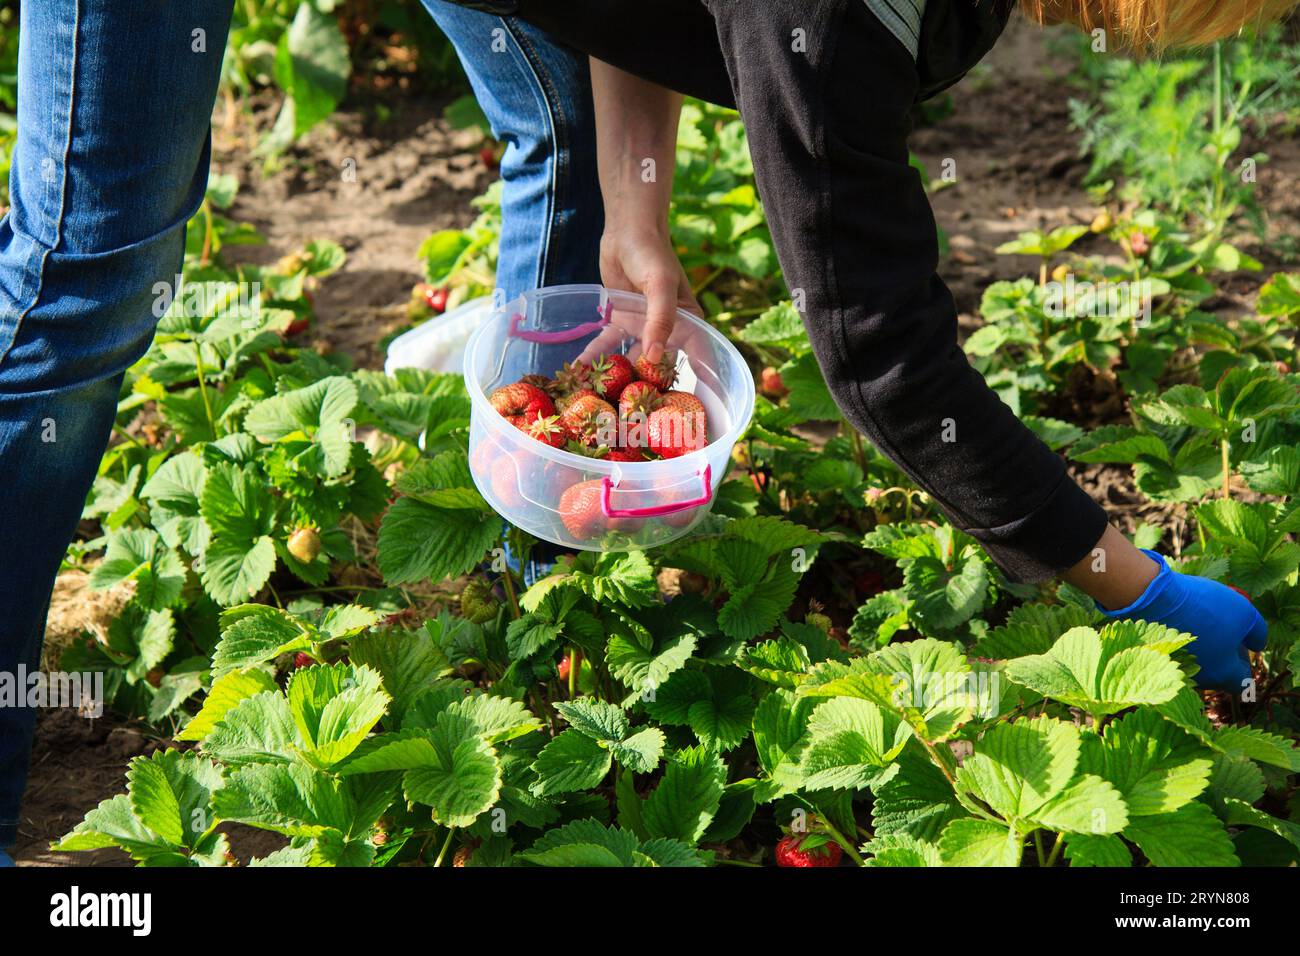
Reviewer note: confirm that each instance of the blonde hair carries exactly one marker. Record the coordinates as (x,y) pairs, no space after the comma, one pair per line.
(1151,26)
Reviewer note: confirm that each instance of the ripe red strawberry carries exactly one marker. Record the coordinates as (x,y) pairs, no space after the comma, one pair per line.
(625,454)
(610,375)
(678,426)
(660,374)
(771,385)
(564,401)
(573,377)
(788,853)
(521,403)
(638,398)
(503,477)
(684,402)
(547,430)
(591,421)
(1240,591)
(298,326)
(488,157)
(580,510)
(436,298)
(676,519)
(303,659)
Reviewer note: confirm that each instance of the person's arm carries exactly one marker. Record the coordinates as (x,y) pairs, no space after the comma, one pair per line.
(1114,573)
(1129,583)
(636,133)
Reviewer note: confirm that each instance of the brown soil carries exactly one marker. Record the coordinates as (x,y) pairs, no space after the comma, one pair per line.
(408,175)
(1017,169)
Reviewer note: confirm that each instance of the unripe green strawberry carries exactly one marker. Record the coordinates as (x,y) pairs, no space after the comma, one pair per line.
(304,544)
(477,602)
(819,621)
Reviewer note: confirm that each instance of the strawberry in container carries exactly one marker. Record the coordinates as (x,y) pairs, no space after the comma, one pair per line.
(604,450)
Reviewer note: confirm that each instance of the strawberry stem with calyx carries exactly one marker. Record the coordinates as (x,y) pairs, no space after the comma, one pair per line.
(845,845)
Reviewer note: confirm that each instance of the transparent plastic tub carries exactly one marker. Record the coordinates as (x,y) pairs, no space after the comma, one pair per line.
(626,505)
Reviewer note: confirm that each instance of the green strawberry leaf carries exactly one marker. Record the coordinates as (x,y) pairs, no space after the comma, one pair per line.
(1189,836)
(140,555)
(715,703)
(171,794)
(1103,672)
(571,762)
(686,799)
(258,729)
(406,662)
(587,843)
(779,725)
(968,842)
(334,709)
(253,634)
(1154,765)
(226,692)
(851,745)
(418,542)
(1097,849)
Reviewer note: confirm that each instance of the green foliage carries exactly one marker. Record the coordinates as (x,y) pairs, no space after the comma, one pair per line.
(825,652)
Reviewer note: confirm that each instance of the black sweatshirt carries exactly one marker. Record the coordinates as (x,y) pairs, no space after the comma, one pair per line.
(827,120)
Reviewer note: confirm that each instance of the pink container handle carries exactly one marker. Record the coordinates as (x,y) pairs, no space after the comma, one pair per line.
(567,335)
(656,511)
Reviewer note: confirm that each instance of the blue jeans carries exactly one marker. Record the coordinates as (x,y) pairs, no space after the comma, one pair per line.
(111,160)
(537,98)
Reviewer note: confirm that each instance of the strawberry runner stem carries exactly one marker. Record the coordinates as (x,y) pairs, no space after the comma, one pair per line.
(575,661)
(203,390)
(1227,468)
(446,845)
(1056,849)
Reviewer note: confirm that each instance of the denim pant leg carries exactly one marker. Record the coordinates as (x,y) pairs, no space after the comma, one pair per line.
(537,97)
(114,101)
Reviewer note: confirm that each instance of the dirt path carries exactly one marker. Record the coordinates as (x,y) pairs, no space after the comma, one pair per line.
(377,188)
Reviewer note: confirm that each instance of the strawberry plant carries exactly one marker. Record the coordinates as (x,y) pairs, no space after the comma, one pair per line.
(337,627)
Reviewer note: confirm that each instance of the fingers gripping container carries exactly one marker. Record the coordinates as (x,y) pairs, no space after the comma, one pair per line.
(623,505)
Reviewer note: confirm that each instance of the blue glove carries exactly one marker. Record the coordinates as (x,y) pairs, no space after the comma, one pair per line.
(1224,623)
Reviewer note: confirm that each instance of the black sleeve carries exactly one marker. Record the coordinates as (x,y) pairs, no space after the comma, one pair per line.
(855,232)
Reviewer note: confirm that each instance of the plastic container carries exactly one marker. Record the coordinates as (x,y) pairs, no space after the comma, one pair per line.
(438,345)
(626,505)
